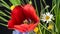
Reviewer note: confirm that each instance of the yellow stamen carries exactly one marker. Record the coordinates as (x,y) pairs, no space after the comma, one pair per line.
(12,7)
(25,21)
(47,17)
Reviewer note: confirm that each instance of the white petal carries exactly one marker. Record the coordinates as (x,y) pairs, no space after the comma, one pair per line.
(48,14)
(51,16)
(47,22)
(44,15)
(43,20)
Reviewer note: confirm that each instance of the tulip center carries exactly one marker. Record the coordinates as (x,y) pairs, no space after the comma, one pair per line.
(25,22)
(47,17)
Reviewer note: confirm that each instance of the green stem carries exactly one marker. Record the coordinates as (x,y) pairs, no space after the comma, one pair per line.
(41,8)
(36,7)
(45,28)
(55,26)
(45,5)
(39,29)
(53,8)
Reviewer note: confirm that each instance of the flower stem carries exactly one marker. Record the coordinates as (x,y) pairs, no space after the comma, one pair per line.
(45,5)
(39,29)
(36,7)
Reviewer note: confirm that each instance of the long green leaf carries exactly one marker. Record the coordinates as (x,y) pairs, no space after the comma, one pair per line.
(45,5)
(4,4)
(3,19)
(5,14)
(52,8)
(3,24)
(57,13)
(36,7)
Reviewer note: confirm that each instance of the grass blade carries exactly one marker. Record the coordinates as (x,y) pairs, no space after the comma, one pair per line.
(4,4)
(3,19)
(3,24)
(4,14)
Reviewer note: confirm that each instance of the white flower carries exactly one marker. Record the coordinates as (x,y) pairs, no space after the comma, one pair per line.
(47,17)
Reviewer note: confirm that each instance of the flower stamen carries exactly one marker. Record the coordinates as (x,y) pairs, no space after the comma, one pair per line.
(47,17)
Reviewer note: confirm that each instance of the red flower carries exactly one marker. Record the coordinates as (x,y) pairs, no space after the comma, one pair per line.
(17,17)
(30,12)
(19,14)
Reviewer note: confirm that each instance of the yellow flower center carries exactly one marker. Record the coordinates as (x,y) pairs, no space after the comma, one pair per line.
(12,7)
(36,29)
(47,17)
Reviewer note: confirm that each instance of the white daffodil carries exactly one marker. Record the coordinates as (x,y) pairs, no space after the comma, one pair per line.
(47,17)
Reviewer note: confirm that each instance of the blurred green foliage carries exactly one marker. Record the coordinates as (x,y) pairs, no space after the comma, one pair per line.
(42,27)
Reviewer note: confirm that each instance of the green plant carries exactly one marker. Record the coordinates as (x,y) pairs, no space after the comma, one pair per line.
(43,29)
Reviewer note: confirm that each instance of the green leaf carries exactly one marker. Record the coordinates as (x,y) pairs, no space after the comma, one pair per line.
(3,19)
(4,4)
(57,13)
(3,24)
(15,2)
(7,12)
(3,14)
(52,8)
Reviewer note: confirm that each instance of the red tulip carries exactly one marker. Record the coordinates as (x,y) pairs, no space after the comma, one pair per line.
(19,14)
(17,17)
(30,12)
(21,28)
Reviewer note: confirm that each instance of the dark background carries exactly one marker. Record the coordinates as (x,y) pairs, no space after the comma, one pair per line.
(3,29)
